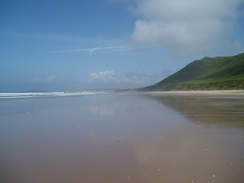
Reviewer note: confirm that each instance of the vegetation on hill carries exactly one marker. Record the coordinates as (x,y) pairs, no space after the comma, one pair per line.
(219,73)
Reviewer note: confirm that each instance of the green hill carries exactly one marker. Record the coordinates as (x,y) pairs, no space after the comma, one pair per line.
(219,73)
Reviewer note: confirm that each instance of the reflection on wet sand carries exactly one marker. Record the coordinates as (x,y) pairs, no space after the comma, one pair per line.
(223,111)
(127,138)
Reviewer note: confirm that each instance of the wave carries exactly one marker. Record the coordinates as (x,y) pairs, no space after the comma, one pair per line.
(30,95)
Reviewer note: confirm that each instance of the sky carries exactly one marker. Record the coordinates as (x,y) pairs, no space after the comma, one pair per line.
(59,45)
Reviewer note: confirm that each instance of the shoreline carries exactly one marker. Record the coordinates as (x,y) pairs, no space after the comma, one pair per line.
(204,92)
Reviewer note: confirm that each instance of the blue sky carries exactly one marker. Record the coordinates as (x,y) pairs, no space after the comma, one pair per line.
(60,44)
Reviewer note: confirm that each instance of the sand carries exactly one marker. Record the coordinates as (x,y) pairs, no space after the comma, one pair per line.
(123,138)
(205,92)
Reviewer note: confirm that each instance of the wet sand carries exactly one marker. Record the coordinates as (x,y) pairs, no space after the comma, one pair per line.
(123,137)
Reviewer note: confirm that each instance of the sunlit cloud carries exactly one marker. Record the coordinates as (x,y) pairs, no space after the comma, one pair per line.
(188,26)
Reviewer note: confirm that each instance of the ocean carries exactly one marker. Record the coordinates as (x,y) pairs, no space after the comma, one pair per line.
(117,137)
(42,95)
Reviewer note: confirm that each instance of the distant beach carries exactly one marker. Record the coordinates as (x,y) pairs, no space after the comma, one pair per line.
(205,92)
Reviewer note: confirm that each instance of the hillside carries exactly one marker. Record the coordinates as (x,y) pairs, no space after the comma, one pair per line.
(219,73)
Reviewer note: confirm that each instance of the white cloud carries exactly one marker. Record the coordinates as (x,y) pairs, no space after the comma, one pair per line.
(187,26)
(131,78)
(106,76)
(103,48)
(52,78)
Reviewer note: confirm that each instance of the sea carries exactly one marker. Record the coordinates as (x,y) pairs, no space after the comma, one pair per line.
(120,137)
(42,95)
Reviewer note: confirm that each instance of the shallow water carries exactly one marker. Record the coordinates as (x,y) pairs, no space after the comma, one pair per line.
(140,138)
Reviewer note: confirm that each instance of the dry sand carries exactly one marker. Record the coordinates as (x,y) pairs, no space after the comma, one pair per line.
(206,92)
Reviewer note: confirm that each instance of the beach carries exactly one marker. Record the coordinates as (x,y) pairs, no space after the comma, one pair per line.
(206,92)
(124,137)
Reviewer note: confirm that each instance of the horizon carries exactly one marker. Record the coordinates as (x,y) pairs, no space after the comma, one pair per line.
(107,44)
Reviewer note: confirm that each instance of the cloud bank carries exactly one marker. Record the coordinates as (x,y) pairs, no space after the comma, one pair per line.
(188,26)
(104,76)
(132,78)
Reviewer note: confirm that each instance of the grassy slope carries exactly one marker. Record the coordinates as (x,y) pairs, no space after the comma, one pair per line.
(208,73)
